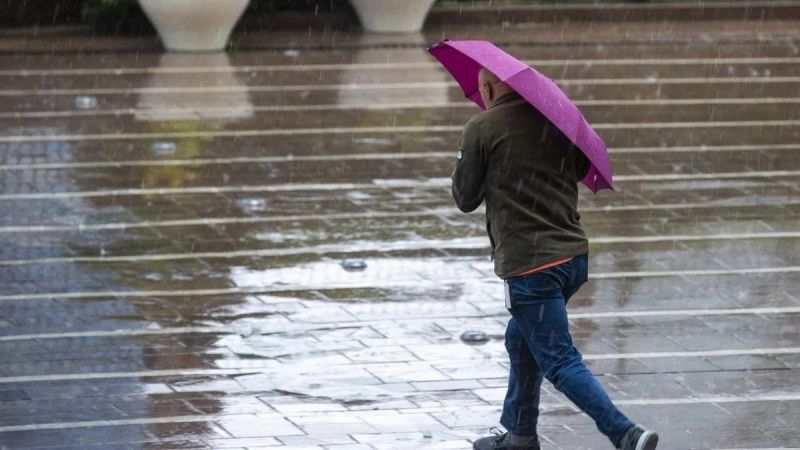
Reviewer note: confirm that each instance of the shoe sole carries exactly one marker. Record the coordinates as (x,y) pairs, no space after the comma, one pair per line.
(647,441)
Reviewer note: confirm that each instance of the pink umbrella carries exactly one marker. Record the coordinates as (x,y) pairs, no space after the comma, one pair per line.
(464,59)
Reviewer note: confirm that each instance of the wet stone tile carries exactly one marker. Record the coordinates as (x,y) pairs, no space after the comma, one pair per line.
(351,447)
(291,406)
(219,385)
(408,440)
(258,426)
(174,444)
(406,372)
(114,436)
(198,430)
(335,426)
(450,385)
(237,443)
(13,395)
(472,370)
(619,366)
(382,355)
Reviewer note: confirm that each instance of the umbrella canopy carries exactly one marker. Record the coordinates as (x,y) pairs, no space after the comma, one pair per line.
(464,59)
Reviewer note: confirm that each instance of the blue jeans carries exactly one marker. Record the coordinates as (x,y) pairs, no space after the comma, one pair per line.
(539,346)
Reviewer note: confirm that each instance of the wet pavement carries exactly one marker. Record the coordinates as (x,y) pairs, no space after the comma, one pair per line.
(173,228)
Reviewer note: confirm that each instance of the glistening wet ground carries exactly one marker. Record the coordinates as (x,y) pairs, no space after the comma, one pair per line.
(173,228)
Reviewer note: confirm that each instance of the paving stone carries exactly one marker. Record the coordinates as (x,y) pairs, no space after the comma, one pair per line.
(473,370)
(310,407)
(259,426)
(336,425)
(453,385)
(351,447)
(11,395)
(242,442)
(406,372)
(382,355)
(320,439)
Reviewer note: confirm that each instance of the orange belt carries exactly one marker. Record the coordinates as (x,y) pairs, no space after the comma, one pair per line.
(543,266)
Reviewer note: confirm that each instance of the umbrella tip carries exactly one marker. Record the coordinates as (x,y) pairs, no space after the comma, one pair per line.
(438,44)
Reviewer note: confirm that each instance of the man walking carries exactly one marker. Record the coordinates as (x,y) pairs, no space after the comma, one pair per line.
(527,171)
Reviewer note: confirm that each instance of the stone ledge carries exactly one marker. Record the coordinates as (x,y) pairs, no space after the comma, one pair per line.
(616,12)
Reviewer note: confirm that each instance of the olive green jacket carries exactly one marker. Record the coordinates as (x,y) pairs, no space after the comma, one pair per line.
(528,173)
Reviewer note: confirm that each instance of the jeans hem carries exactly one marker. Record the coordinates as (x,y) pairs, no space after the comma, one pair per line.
(511,430)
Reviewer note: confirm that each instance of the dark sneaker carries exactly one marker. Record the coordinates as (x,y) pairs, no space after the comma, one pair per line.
(637,438)
(501,441)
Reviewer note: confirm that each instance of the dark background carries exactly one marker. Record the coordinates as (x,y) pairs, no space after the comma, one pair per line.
(124,16)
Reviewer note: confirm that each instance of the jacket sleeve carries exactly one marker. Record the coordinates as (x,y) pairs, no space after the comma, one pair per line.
(582,164)
(470,171)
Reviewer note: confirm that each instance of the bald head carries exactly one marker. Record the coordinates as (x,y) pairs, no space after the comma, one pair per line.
(490,87)
(486,75)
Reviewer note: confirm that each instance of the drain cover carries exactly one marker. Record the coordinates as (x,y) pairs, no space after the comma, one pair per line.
(163,148)
(474,337)
(85,102)
(354,264)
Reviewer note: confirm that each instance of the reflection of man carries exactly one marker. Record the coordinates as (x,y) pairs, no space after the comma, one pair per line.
(528,173)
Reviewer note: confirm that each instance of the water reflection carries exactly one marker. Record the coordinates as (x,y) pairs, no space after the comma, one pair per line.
(379,271)
(233,104)
(409,51)
(187,113)
(159,111)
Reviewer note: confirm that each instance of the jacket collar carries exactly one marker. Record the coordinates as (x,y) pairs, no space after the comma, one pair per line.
(505,99)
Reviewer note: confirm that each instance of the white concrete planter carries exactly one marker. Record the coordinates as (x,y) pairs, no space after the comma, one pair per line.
(194,25)
(392,16)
